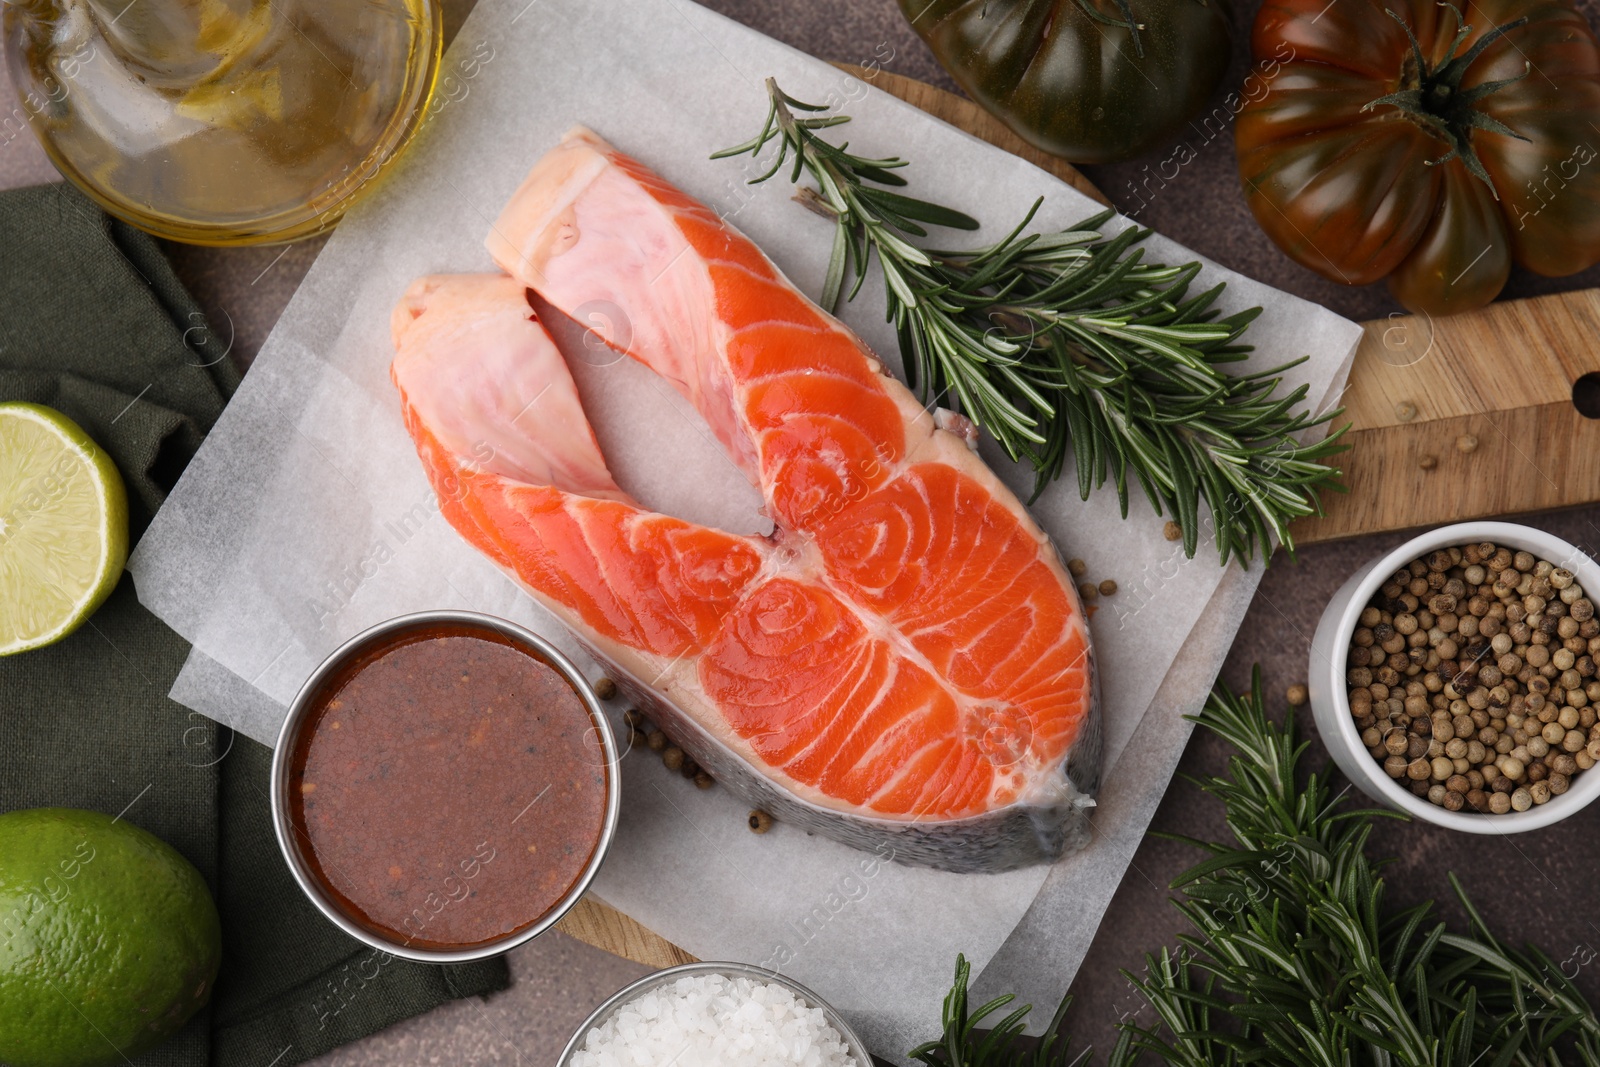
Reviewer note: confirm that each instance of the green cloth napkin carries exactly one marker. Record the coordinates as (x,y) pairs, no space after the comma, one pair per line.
(93,322)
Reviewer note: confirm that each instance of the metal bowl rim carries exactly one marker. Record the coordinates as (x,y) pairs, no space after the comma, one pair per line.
(857,1047)
(287,733)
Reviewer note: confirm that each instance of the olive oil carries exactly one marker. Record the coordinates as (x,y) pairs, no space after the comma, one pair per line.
(224,121)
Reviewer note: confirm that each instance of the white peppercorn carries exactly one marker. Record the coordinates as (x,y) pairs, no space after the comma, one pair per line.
(1472,678)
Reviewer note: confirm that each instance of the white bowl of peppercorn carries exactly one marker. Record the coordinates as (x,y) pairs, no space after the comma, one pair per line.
(1455,678)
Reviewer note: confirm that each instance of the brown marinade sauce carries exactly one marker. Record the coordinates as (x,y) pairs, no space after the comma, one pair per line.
(451,786)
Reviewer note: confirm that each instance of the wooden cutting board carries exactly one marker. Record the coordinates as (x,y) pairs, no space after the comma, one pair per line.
(1451,419)
(1469,417)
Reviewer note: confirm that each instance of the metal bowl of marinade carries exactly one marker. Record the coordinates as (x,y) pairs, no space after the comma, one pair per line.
(445,786)
(1495,731)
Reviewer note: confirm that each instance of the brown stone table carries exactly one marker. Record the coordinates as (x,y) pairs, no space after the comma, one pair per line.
(1537,886)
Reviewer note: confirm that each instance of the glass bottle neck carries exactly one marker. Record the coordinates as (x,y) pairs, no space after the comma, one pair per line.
(165,43)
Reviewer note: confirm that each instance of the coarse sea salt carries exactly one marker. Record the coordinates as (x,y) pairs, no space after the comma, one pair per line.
(715,1020)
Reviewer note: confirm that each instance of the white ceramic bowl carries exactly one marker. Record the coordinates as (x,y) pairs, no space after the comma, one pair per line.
(1330,704)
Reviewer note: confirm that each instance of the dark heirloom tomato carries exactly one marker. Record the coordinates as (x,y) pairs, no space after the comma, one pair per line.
(1091,80)
(1397,143)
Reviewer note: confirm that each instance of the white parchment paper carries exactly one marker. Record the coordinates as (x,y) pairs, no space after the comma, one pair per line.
(306,516)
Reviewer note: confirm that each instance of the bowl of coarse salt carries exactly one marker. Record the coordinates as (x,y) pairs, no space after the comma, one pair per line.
(715,1015)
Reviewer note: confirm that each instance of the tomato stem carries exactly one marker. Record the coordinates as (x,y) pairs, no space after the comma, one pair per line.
(1436,101)
(1127,21)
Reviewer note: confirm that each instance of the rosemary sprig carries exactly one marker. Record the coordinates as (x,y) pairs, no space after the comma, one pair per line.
(964,1045)
(1043,339)
(1294,959)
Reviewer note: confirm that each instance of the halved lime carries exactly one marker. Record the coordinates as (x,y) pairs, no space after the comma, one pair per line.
(63,526)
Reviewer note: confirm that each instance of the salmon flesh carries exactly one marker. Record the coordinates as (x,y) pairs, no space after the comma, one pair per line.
(903,661)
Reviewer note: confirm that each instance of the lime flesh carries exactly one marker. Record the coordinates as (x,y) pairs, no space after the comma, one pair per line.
(63,526)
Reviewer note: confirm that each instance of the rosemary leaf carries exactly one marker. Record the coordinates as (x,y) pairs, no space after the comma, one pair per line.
(1051,340)
(1294,959)
(1300,955)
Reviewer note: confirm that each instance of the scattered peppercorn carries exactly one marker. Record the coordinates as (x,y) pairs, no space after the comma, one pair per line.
(672,757)
(605,688)
(1077,568)
(1108,588)
(760,822)
(1298,695)
(1172,531)
(1472,677)
(1087,591)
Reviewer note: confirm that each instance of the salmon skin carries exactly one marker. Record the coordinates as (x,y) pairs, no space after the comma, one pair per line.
(901,665)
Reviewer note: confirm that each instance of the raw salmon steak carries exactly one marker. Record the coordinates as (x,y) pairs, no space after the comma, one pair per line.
(903,660)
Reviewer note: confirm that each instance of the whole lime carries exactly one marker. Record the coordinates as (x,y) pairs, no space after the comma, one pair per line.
(109,940)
